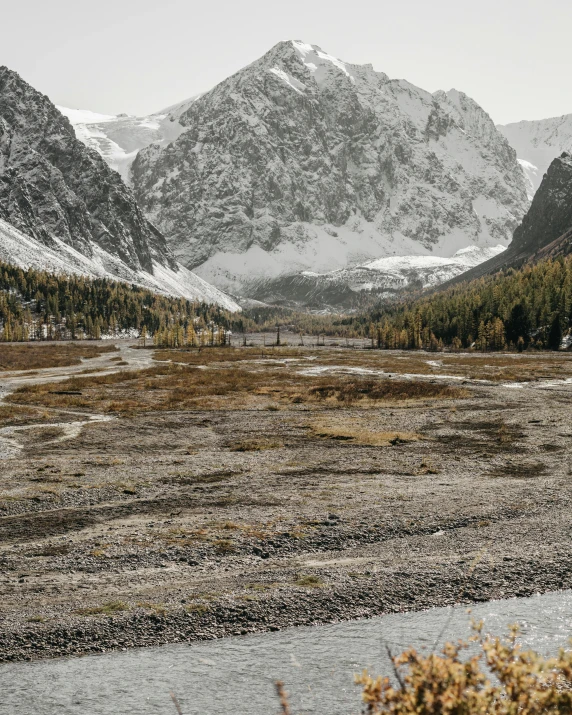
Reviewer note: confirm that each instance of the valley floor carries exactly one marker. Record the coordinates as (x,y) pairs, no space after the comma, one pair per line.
(172,496)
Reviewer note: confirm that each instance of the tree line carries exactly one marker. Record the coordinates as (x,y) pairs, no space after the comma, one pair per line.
(37,305)
(513,309)
(528,308)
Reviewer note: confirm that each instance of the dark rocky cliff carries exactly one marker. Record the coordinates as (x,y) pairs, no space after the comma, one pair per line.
(545,231)
(52,186)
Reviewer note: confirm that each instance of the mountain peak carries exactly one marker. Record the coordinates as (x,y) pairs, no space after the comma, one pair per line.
(303,162)
(315,58)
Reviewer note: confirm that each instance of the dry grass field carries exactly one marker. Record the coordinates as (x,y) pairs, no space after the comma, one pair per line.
(34,356)
(208,380)
(192,494)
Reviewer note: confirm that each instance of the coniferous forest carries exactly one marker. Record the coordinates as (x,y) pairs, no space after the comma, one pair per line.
(514,309)
(36,305)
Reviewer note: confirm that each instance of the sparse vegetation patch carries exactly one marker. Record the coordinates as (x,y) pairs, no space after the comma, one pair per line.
(30,356)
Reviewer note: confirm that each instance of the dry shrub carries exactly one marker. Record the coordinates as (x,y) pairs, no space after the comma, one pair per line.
(309,581)
(355,434)
(29,356)
(224,546)
(428,468)
(10,415)
(107,609)
(158,609)
(199,608)
(439,684)
(388,390)
(41,435)
(36,619)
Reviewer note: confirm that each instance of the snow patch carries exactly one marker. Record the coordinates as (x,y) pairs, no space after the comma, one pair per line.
(85,116)
(531,176)
(314,58)
(290,81)
(26,252)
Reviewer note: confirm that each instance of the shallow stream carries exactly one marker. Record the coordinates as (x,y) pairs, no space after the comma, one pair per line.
(237,674)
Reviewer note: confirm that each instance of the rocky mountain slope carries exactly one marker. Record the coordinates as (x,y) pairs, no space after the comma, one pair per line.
(64,199)
(537,144)
(546,230)
(60,258)
(302,162)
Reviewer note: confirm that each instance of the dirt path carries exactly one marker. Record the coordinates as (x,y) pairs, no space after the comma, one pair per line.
(105,364)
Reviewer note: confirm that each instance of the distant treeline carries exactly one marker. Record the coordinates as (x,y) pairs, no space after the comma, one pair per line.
(529,308)
(40,305)
(37,305)
(514,309)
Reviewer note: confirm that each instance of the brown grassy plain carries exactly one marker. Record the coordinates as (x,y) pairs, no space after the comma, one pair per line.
(239,490)
(35,356)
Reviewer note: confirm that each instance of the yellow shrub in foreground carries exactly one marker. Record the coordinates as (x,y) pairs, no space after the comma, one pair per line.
(445,684)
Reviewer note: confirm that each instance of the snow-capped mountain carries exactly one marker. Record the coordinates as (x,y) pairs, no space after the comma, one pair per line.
(61,204)
(302,162)
(350,288)
(537,144)
(118,138)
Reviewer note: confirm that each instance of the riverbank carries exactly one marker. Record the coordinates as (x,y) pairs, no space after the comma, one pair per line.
(317,664)
(407,592)
(178,525)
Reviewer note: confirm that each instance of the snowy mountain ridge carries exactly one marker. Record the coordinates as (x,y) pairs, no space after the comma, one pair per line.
(375,280)
(62,259)
(303,162)
(62,208)
(537,143)
(118,138)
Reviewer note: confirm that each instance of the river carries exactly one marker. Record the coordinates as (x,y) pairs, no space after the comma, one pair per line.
(237,674)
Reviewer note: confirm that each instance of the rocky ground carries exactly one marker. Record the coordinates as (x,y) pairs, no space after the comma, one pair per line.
(158,526)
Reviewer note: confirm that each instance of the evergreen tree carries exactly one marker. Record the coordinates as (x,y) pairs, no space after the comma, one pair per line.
(555,333)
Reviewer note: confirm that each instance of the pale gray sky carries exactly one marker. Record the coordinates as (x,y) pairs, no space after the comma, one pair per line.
(138,56)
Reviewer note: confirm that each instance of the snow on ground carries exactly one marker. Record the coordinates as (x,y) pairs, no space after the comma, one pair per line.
(357,244)
(399,272)
(464,259)
(532,176)
(26,252)
(290,81)
(85,116)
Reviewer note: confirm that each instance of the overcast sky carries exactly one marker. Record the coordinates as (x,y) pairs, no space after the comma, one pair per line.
(138,56)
